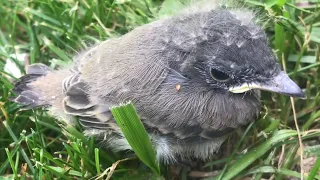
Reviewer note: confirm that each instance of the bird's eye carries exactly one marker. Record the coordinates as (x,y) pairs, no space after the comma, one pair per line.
(219,75)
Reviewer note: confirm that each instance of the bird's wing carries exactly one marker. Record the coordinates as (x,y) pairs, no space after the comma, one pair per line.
(77,102)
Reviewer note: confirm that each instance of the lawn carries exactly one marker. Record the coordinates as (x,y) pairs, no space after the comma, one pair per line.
(284,143)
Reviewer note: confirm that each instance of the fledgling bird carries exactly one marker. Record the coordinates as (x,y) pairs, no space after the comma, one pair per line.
(193,77)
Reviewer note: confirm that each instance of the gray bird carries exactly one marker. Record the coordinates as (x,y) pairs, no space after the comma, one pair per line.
(193,77)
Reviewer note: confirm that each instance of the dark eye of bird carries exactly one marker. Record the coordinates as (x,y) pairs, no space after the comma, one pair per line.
(219,75)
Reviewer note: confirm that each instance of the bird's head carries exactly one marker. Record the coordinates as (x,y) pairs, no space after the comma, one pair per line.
(227,51)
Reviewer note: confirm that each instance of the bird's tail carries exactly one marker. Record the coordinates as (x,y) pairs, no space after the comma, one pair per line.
(27,96)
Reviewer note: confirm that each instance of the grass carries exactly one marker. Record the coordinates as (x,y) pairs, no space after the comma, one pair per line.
(34,145)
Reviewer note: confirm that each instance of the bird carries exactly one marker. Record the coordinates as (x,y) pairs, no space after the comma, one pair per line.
(194,78)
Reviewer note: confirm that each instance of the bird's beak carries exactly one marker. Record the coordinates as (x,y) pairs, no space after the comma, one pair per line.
(279,84)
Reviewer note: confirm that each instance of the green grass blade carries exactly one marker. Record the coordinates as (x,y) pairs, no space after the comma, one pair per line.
(136,135)
(285,172)
(315,170)
(56,50)
(11,163)
(24,154)
(97,162)
(257,152)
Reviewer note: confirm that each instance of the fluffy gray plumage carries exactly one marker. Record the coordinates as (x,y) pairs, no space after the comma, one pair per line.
(178,72)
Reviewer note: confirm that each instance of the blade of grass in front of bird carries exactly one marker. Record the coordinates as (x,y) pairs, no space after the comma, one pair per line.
(136,135)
